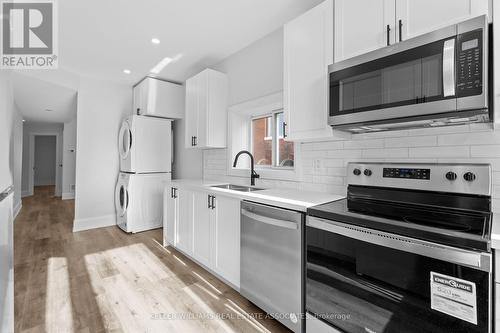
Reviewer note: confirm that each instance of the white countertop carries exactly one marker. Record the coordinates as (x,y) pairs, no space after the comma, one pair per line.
(286,198)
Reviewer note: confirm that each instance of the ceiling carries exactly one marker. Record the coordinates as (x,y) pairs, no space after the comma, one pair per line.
(34,97)
(101,38)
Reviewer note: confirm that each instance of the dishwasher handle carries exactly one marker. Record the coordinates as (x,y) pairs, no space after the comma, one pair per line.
(269,220)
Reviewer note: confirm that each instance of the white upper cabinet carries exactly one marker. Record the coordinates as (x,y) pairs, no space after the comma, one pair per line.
(362,26)
(157,98)
(422,16)
(206,110)
(308,50)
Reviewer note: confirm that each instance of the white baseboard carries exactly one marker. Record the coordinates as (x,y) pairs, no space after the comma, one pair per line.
(26,194)
(94,222)
(17,209)
(68,196)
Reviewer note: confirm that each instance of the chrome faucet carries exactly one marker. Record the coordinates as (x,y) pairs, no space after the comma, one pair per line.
(253,174)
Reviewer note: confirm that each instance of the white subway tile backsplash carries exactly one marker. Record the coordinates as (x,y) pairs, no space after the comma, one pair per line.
(485,151)
(385,153)
(421,141)
(322,165)
(437,152)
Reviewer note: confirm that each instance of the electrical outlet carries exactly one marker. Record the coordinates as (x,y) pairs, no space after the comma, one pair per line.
(317,164)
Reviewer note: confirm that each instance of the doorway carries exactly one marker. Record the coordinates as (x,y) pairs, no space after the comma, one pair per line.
(45,168)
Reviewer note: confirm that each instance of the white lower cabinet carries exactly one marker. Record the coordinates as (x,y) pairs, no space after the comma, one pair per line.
(226,249)
(170,215)
(202,228)
(184,227)
(206,227)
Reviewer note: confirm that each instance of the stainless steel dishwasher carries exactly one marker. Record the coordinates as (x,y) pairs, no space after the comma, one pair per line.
(271,261)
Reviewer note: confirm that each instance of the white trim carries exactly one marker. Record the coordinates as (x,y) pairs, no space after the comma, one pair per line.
(17,209)
(68,196)
(94,222)
(252,109)
(26,194)
(31,164)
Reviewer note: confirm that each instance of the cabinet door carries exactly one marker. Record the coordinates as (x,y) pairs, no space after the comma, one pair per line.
(308,50)
(202,119)
(185,222)
(422,16)
(361,26)
(191,123)
(227,239)
(201,228)
(170,216)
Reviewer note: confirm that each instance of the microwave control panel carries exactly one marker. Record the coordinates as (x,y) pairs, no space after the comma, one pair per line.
(470,63)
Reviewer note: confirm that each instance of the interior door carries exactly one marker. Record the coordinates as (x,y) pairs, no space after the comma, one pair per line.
(422,16)
(201,228)
(361,26)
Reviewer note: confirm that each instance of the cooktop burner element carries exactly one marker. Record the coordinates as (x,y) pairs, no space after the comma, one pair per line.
(448,204)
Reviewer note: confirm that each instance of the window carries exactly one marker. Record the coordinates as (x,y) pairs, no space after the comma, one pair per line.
(269,147)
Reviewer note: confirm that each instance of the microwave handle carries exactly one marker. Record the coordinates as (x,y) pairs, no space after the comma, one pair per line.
(449,68)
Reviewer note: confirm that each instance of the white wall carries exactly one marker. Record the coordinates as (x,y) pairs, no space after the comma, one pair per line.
(45,160)
(101,108)
(31,128)
(8,126)
(17,158)
(256,70)
(69,160)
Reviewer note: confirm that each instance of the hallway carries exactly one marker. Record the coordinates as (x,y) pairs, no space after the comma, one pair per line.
(104,280)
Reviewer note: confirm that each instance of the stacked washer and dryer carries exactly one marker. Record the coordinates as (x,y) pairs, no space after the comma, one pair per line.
(145,145)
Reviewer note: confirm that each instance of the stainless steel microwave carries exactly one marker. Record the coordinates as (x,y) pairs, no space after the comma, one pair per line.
(436,79)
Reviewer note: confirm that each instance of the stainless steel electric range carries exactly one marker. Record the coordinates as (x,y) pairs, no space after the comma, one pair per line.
(408,250)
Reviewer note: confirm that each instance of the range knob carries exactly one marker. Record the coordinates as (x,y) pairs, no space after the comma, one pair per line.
(469,176)
(368,172)
(356,171)
(450,175)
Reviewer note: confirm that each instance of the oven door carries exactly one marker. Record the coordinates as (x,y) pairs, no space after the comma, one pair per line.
(362,280)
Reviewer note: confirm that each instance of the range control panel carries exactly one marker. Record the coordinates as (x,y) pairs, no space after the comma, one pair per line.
(442,177)
(406,173)
(470,63)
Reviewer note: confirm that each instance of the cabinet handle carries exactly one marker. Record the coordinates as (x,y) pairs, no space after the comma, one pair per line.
(175,192)
(388,35)
(192,141)
(195,140)
(213,201)
(138,111)
(400,30)
(284,130)
(172,192)
(209,200)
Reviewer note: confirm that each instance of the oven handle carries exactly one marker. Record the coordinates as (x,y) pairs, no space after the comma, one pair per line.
(477,260)
(449,68)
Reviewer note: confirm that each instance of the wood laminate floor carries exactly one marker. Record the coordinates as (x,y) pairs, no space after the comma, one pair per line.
(104,280)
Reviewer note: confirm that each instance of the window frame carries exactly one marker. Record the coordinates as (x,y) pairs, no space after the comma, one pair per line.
(275,137)
(239,134)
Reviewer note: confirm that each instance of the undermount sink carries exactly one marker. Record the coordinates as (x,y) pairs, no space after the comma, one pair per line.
(241,188)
